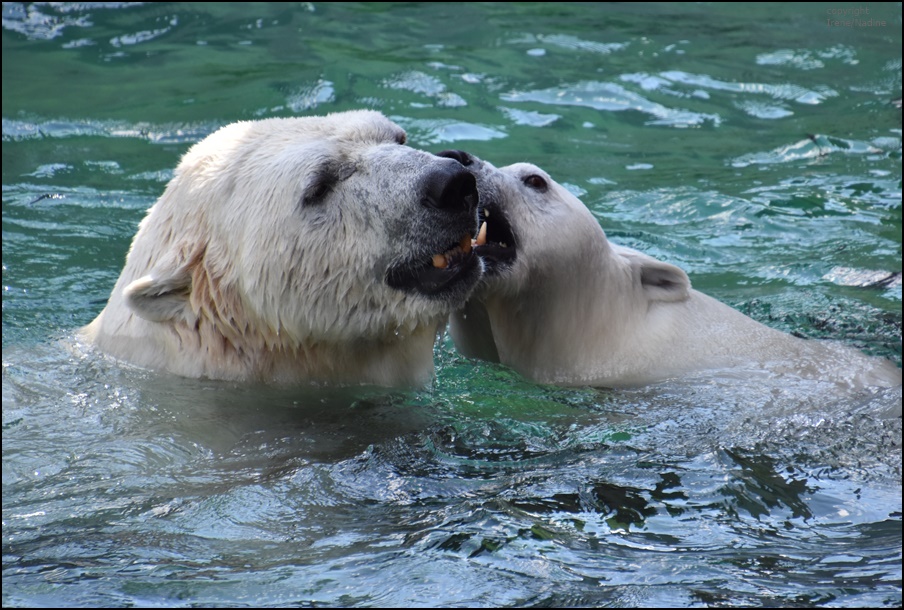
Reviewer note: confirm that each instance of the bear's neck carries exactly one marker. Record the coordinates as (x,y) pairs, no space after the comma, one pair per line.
(202,349)
(569,318)
(398,361)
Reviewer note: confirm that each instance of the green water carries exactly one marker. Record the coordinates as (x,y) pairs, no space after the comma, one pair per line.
(753,145)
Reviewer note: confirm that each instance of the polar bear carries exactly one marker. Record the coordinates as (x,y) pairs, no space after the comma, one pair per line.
(298,249)
(561,304)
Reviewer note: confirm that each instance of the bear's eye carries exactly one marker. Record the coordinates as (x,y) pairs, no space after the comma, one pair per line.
(319,190)
(538,183)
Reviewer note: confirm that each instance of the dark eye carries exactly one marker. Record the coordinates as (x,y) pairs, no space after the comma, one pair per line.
(320,188)
(538,183)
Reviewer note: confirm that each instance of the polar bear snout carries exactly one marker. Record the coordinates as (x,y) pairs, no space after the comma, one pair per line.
(451,188)
(496,242)
(440,262)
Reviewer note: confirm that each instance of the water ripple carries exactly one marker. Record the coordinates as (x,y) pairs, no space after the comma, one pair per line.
(791,92)
(15,130)
(426,85)
(611,97)
(804,59)
(307,98)
(566,41)
(134,38)
(813,148)
(28,20)
(440,131)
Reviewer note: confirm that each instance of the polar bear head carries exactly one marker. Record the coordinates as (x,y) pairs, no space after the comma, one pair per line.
(533,228)
(561,304)
(558,301)
(298,248)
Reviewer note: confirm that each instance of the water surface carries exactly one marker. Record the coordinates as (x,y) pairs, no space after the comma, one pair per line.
(754,145)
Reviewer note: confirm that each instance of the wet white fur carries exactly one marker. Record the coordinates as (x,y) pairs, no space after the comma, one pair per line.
(233,276)
(576,309)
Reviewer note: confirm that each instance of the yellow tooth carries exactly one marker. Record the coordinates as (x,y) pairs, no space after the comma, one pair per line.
(466,244)
(439,261)
(482,235)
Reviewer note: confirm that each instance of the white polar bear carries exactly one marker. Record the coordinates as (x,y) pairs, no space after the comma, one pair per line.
(561,304)
(317,248)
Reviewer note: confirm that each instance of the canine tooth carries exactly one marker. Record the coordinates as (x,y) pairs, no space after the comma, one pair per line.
(486,213)
(482,235)
(440,261)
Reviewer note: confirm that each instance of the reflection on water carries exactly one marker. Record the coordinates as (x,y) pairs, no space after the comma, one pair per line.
(126,487)
(612,97)
(711,136)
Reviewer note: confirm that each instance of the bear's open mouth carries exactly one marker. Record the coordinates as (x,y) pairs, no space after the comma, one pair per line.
(495,242)
(453,255)
(441,275)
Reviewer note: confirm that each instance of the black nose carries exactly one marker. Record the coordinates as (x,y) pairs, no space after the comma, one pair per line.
(451,188)
(459,155)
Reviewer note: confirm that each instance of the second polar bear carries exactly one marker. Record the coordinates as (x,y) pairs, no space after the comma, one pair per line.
(298,249)
(561,304)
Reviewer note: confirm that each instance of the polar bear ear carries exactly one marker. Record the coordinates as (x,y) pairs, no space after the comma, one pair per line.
(160,298)
(662,281)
